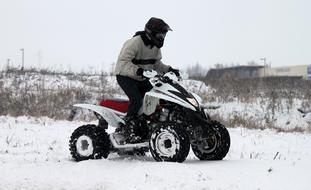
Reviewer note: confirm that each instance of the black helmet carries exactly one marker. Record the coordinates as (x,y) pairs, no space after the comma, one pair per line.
(157,25)
(156,30)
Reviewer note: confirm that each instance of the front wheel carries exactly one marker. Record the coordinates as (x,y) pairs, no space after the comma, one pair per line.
(214,143)
(169,142)
(89,142)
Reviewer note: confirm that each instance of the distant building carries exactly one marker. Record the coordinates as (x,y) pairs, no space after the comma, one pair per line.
(303,71)
(299,71)
(236,72)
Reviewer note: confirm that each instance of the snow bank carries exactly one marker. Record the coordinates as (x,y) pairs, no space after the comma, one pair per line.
(284,115)
(260,113)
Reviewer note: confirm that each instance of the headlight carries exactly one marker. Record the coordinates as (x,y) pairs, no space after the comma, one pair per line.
(193,102)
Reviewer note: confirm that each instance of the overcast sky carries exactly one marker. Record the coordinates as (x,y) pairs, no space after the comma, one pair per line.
(88,34)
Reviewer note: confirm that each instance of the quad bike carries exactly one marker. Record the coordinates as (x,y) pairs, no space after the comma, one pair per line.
(172,121)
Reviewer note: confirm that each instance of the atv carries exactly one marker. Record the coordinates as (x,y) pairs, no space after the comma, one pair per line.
(173,119)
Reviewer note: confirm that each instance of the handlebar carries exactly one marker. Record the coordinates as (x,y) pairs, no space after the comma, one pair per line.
(166,77)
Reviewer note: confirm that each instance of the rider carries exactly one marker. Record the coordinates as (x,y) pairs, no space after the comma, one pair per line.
(140,53)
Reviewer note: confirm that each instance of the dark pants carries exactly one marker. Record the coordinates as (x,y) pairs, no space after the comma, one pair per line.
(135,90)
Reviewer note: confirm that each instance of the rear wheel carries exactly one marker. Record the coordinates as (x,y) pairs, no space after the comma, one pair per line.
(89,142)
(169,142)
(214,143)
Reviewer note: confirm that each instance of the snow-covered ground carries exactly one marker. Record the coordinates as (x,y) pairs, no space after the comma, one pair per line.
(34,155)
(34,151)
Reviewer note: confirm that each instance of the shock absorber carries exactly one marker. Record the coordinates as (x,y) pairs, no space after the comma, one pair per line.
(164,114)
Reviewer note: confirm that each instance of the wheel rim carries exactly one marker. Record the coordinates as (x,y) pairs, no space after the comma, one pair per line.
(166,144)
(84,146)
(208,145)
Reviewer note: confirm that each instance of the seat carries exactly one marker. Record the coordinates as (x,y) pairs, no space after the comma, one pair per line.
(120,105)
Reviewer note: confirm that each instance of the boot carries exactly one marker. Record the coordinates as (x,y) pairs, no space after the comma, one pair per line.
(128,130)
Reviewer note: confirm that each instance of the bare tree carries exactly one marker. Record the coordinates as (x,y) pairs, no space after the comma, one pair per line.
(196,70)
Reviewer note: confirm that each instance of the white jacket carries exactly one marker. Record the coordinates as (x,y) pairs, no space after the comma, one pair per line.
(135,54)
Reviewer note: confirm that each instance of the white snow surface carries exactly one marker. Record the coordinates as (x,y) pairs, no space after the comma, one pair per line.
(34,155)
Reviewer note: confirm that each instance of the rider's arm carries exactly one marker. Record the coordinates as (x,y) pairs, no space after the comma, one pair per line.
(124,64)
(159,66)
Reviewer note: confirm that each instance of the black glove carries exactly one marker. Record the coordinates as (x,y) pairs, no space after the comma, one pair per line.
(175,71)
(140,72)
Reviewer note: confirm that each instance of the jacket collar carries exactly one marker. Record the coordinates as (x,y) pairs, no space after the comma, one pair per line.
(147,41)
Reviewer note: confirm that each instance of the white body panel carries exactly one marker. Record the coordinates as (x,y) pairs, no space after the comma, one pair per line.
(111,116)
(150,102)
(197,97)
(163,92)
(160,95)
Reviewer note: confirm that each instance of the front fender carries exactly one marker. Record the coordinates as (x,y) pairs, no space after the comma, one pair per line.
(197,97)
(171,99)
(112,118)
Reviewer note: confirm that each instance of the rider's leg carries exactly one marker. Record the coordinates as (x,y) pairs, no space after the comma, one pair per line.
(144,86)
(132,90)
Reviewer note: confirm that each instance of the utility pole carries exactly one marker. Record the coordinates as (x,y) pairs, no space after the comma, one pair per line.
(22,58)
(264,60)
(7,68)
(264,65)
(39,59)
(112,68)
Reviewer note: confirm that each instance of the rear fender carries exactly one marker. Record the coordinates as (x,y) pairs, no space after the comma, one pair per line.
(111,116)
